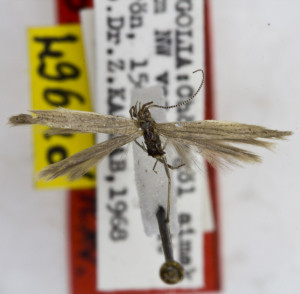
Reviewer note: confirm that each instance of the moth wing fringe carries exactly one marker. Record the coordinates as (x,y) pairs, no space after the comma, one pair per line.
(219,153)
(216,141)
(80,163)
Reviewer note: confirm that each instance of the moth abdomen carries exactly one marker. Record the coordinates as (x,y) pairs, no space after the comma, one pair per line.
(152,140)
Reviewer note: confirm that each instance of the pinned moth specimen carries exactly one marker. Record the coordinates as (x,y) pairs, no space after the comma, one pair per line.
(215,140)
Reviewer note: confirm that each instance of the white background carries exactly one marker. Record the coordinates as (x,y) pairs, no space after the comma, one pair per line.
(256,62)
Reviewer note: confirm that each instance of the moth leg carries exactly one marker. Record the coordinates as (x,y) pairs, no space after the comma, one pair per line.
(141,146)
(175,167)
(155,165)
(146,104)
(131,111)
(164,160)
(169,166)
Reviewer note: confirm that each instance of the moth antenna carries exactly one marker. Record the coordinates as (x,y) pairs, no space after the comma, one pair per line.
(186,101)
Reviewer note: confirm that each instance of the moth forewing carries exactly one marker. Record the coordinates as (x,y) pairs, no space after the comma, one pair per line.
(77,121)
(213,129)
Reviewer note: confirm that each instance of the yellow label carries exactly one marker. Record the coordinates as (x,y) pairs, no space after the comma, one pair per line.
(58,79)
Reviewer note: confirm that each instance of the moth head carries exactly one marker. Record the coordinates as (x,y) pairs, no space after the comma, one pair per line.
(140,111)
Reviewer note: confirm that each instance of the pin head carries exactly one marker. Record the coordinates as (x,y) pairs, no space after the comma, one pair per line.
(171,272)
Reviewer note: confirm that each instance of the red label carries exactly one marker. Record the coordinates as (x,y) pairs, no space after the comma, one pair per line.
(82,228)
(82,206)
(68,10)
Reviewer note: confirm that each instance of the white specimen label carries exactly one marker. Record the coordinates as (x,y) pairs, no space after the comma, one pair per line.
(142,44)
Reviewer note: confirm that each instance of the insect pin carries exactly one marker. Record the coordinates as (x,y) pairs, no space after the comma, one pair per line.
(171,272)
(215,140)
